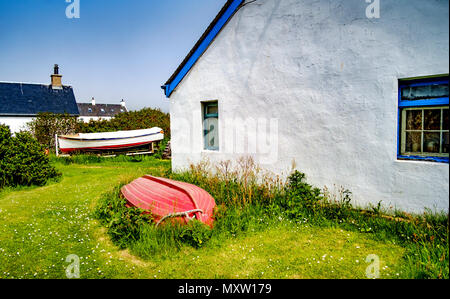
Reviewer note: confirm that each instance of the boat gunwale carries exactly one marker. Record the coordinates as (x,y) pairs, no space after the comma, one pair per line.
(75,138)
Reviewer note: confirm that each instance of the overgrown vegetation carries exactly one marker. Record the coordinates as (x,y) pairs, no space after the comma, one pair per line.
(249,200)
(23,161)
(133,120)
(90,159)
(46,125)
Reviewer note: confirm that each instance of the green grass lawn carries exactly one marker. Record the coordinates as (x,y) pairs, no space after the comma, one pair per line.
(41,226)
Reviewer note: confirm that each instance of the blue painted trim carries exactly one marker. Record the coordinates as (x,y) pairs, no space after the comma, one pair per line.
(399,119)
(420,158)
(418,103)
(424,83)
(423,103)
(169,88)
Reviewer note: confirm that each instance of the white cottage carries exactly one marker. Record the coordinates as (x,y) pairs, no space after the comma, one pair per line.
(355,93)
(20,103)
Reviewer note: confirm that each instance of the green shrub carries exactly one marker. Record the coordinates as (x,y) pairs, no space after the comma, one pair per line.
(23,161)
(162,146)
(123,224)
(46,125)
(133,120)
(301,197)
(195,233)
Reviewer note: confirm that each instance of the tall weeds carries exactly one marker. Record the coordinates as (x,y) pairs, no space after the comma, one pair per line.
(250,199)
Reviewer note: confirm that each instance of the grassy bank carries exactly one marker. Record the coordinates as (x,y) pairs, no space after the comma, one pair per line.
(263,230)
(251,202)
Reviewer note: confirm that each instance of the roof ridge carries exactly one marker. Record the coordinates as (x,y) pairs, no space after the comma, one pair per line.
(97,104)
(30,83)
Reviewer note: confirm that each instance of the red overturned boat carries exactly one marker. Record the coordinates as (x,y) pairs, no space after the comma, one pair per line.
(166,198)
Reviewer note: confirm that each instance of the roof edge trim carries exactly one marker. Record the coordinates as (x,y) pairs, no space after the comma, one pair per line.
(202,45)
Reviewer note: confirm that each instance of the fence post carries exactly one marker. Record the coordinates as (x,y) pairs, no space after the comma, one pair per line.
(56,145)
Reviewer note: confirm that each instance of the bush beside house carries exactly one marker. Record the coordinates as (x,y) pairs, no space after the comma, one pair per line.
(46,125)
(23,161)
(132,120)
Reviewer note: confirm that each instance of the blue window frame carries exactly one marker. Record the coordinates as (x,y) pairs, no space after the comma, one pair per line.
(211,125)
(423,131)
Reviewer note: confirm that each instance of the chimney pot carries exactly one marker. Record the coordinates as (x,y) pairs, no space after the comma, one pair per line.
(93,101)
(56,78)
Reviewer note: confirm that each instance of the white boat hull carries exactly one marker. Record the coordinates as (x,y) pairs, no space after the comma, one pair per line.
(109,141)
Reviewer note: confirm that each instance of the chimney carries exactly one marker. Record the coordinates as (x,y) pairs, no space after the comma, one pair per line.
(56,78)
(123,104)
(93,101)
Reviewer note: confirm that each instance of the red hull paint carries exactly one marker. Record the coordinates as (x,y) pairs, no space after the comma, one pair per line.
(163,197)
(68,150)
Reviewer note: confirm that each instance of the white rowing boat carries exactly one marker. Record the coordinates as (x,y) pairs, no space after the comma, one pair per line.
(110,140)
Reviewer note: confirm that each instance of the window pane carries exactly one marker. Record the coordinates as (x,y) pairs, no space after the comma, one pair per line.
(413,141)
(212,109)
(425,92)
(432,119)
(431,142)
(414,120)
(445,123)
(212,133)
(445,143)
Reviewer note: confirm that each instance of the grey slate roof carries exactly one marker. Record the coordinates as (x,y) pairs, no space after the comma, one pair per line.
(24,99)
(100,110)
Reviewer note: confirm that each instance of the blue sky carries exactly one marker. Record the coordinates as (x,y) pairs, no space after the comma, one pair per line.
(116,49)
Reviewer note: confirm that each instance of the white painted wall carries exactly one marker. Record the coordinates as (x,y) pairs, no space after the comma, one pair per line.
(328,75)
(16,123)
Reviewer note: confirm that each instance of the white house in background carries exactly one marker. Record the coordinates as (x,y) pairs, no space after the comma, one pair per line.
(96,112)
(21,102)
(357,101)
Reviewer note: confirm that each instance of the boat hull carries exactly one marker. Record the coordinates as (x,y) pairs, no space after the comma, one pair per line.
(109,141)
(165,198)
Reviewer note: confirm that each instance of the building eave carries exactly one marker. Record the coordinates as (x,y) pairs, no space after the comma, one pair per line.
(208,37)
(30,115)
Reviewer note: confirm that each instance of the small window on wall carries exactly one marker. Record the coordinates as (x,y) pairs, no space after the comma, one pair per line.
(424,123)
(211,125)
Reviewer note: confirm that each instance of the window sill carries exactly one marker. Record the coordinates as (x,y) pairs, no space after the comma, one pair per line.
(209,151)
(424,159)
